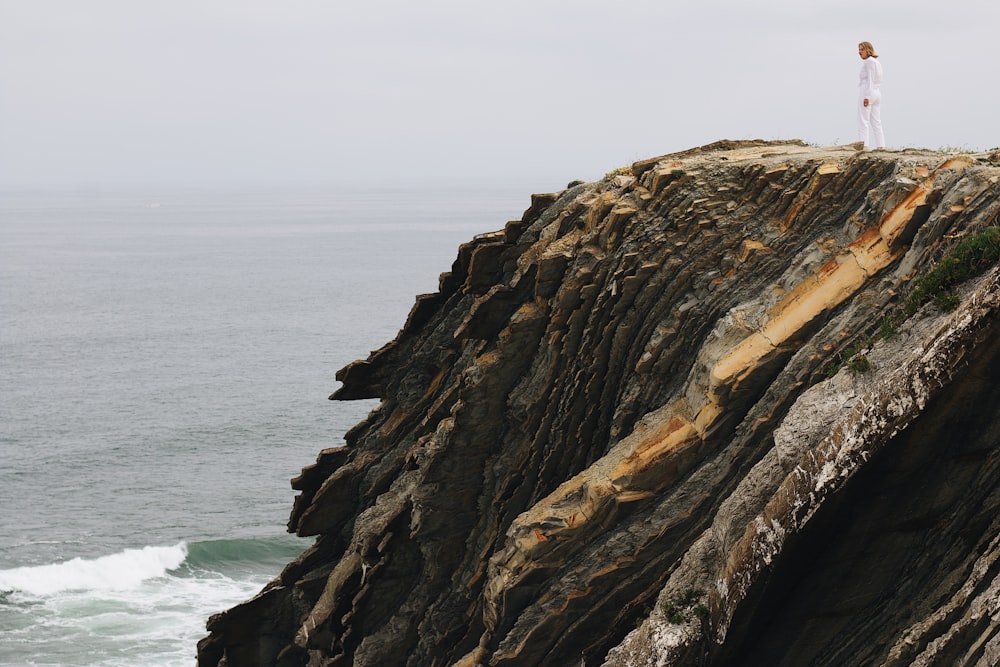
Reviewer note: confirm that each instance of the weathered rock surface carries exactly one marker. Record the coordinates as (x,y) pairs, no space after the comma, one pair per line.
(613,435)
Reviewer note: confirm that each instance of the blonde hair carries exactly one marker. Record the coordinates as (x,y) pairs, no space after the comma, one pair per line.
(867,46)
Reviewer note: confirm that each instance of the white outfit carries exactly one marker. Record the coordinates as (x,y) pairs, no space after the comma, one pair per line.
(870,89)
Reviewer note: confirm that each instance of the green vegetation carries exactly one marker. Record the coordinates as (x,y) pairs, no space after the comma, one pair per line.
(573,184)
(888,327)
(673,614)
(973,256)
(620,171)
(955,149)
(678,172)
(853,357)
(859,364)
(679,610)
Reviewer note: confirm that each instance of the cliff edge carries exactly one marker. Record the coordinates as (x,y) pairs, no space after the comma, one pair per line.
(732,406)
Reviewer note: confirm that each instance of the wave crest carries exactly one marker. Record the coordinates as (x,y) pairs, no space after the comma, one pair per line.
(121,571)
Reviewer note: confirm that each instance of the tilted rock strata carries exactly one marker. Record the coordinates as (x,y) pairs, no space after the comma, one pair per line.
(616,410)
(860,416)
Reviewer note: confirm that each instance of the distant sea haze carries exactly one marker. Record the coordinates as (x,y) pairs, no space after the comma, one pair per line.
(165,363)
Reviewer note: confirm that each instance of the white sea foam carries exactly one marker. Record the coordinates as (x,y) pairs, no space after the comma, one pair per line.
(121,571)
(83,612)
(111,296)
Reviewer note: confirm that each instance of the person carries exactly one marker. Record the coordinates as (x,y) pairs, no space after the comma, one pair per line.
(870,97)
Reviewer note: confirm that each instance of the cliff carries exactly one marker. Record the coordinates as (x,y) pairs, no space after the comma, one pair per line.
(736,405)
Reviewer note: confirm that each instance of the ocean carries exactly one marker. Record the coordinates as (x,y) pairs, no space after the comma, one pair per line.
(165,362)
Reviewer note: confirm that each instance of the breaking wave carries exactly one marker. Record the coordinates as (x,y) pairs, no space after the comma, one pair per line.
(121,571)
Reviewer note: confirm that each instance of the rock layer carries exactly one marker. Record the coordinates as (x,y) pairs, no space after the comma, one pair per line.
(614,435)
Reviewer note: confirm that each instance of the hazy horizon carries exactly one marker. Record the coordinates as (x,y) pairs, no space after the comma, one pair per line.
(111,94)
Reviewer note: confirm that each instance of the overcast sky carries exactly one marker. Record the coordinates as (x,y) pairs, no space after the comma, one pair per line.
(536,93)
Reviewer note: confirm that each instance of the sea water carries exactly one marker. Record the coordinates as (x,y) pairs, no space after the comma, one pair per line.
(165,362)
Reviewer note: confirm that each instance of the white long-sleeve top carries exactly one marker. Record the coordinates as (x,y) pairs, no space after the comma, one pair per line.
(871,76)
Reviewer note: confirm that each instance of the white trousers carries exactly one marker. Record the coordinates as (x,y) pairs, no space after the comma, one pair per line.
(871,116)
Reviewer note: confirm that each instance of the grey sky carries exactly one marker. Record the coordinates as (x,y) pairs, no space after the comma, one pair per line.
(524,92)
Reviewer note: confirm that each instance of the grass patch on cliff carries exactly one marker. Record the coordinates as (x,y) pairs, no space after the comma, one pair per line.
(853,357)
(680,609)
(973,257)
(887,329)
(956,149)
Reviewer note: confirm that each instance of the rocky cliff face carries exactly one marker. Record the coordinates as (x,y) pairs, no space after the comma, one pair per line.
(697,413)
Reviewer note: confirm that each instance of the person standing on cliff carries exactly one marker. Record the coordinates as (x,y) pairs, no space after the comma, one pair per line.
(870,98)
